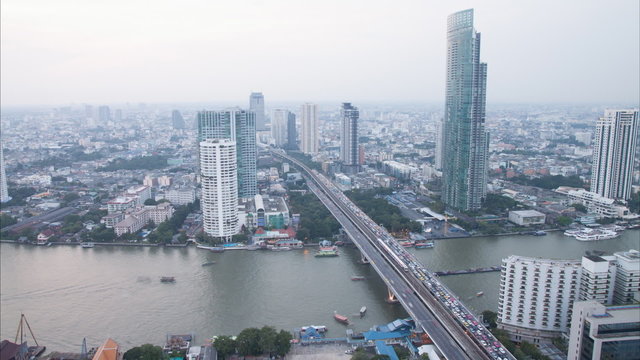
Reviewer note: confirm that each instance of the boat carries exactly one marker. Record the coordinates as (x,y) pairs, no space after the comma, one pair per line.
(357,278)
(280,248)
(596,234)
(339,243)
(215,249)
(326,253)
(209,263)
(87,245)
(49,244)
(539,233)
(340,318)
(480,293)
(167,279)
(425,245)
(572,232)
(363,310)
(406,243)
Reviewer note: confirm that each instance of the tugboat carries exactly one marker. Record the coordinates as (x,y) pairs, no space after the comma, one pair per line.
(87,245)
(167,279)
(357,278)
(424,245)
(363,310)
(340,318)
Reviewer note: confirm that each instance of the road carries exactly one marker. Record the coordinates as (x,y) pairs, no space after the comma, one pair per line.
(451,326)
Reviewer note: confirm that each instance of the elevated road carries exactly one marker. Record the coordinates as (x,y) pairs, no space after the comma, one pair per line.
(452,327)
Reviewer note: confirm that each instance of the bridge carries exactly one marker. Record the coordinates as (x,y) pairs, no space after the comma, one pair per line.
(453,328)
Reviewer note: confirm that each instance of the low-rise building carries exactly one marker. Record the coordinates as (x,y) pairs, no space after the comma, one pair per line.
(596,204)
(120,204)
(526,217)
(182,196)
(264,211)
(110,220)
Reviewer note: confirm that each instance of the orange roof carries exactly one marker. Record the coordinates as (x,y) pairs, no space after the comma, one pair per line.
(108,351)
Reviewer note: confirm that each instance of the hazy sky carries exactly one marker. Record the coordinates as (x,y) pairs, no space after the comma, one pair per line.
(74,51)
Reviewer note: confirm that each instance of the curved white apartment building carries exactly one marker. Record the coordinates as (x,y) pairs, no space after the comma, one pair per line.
(219,179)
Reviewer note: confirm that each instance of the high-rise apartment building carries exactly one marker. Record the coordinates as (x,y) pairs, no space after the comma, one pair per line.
(256,104)
(614,151)
(464,160)
(536,296)
(104,115)
(279,125)
(349,115)
(176,120)
(4,190)
(239,126)
(218,176)
(597,278)
(292,135)
(604,332)
(309,128)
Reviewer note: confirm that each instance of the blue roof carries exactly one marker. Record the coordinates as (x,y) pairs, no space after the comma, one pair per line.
(380,335)
(384,349)
(396,325)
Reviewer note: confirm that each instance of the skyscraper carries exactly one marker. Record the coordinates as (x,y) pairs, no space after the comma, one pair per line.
(104,115)
(292,143)
(256,104)
(239,126)
(218,176)
(439,144)
(349,137)
(176,120)
(279,123)
(465,146)
(309,126)
(4,191)
(613,153)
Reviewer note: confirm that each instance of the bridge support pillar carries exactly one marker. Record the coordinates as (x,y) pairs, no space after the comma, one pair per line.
(363,259)
(391,297)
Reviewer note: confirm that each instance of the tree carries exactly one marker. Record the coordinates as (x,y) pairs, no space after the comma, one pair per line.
(248,342)
(359,354)
(268,336)
(283,343)
(402,352)
(6,220)
(70,197)
(424,356)
(579,207)
(225,346)
(563,220)
(145,352)
(150,201)
(490,318)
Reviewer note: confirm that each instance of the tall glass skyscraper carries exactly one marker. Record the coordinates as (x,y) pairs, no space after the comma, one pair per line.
(349,137)
(309,128)
(465,145)
(239,126)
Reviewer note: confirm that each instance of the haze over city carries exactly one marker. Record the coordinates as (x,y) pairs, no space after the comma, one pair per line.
(68,51)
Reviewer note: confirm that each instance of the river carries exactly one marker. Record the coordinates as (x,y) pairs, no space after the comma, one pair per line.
(68,293)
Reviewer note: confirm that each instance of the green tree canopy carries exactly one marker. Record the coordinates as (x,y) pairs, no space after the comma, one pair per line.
(225,346)
(145,352)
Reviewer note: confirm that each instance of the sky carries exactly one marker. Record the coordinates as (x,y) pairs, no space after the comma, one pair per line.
(101,52)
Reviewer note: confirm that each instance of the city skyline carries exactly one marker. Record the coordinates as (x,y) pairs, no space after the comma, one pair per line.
(39,51)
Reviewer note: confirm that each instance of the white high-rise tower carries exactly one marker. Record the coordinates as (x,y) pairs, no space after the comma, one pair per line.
(219,178)
(279,127)
(309,124)
(4,191)
(614,151)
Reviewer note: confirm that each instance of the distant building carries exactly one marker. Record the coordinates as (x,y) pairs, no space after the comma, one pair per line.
(120,204)
(400,170)
(150,181)
(104,115)
(139,193)
(600,332)
(614,152)
(611,279)
(239,126)
(110,220)
(349,137)
(4,191)
(536,296)
(256,104)
(219,201)
(178,196)
(176,120)
(597,204)
(439,144)
(164,180)
(526,217)
(265,211)
(134,221)
(465,143)
(309,126)
(279,124)
(292,136)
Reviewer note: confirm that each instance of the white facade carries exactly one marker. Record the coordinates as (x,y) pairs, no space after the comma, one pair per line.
(279,127)
(614,151)
(526,217)
(599,332)
(4,191)
(120,204)
(597,204)
(178,196)
(627,283)
(536,296)
(218,175)
(309,123)
(597,279)
(349,134)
